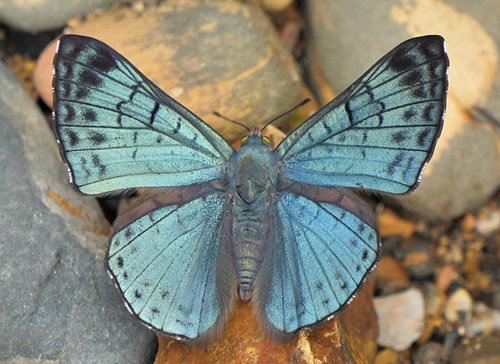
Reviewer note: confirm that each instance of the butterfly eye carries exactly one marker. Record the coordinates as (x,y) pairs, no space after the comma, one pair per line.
(266,140)
(244,139)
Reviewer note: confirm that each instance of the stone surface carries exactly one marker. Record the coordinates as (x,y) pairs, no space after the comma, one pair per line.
(39,15)
(458,307)
(211,56)
(347,40)
(401,318)
(57,302)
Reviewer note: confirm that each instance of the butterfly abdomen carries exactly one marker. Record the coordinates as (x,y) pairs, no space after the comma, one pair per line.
(252,185)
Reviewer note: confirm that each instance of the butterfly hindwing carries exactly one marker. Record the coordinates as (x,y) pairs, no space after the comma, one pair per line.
(169,263)
(118,130)
(325,244)
(380,132)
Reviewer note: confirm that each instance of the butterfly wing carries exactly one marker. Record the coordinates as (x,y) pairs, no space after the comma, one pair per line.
(380,132)
(326,244)
(117,130)
(169,259)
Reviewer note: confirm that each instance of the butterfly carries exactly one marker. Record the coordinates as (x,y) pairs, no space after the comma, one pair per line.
(282,228)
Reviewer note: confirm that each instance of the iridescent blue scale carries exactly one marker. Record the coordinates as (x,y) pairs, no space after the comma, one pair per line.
(279,227)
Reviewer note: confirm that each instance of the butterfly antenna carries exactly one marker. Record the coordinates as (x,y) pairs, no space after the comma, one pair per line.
(285,113)
(232,121)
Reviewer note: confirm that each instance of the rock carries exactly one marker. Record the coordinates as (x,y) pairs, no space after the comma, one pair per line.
(389,356)
(430,353)
(488,224)
(57,301)
(417,257)
(465,168)
(348,338)
(483,350)
(401,318)
(40,15)
(390,277)
(210,56)
(434,300)
(484,321)
(458,307)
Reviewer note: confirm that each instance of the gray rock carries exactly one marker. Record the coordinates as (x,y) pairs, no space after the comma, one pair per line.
(465,169)
(57,302)
(35,16)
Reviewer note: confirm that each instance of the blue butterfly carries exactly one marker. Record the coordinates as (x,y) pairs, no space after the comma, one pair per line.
(281,227)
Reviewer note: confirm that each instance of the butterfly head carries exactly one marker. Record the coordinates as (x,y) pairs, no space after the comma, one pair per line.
(255,137)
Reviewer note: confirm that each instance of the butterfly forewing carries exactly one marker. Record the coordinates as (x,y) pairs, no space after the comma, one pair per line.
(118,130)
(380,132)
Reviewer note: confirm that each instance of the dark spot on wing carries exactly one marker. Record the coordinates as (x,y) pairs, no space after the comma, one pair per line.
(153,113)
(66,89)
(70,113)
(125,275)
(344,285)
(423,136)
(88,77)
(164,294)
(69,69)
(364,256)
(96,160)
(341,138)
(411,78)
(119,260)
(90,115)
(155,310)
(135,137)
(396,162)
(319,286)
(177,127)
(427,114)
(158,139)
(137,294)
(399,137)
(436,89)
(419,92)
(128,232)
(325,302)
(97,138)
(327,128)
(101,63)
(358,268)
(146,283)
(73,52)
(429,50)
(409,113)
(134,154)
(81,93)
(73,138)
(365,136)
(401,61)
(354,243)
(361,228)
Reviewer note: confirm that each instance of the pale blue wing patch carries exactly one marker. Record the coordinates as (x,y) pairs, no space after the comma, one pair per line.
(321,256)
(170,267)
(381,131)
(118,130)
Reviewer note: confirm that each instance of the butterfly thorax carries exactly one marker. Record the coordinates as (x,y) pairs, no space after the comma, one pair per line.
(252,184)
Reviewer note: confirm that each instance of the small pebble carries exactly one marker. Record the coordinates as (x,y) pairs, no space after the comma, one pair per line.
(430,353)
(458,306)
(488,224)
(401,318)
